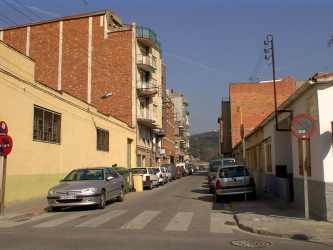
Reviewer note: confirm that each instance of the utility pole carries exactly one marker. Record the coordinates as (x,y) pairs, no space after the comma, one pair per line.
(270,58)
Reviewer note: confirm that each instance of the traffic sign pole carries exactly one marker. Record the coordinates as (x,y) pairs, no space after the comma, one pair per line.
(305,180)
(3,165)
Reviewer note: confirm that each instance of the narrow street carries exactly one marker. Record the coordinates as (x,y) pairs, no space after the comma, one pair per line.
(175,216)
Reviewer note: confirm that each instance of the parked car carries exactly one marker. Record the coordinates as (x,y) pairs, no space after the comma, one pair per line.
(213,167)
(179,172)
(149,177)
(167,175)
(173,171)
(233,180)
(190,169)
(182,167)
(167,168)
(161,175)
(87,186)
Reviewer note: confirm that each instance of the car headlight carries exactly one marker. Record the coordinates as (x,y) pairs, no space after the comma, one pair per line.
(51,192)
(89,191)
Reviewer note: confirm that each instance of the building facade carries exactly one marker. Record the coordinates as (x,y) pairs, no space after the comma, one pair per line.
(224,121)
(53,131)
(97,58)
(276,157)
(182,122)
(250,103)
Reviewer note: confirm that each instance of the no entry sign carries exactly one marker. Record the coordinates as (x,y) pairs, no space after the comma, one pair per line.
(6,145)
(303,126)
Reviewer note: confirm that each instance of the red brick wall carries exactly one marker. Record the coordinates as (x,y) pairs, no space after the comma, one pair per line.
(111,62)
(75,58)
(16,38)
(112,72)
(256,101)
(44,49)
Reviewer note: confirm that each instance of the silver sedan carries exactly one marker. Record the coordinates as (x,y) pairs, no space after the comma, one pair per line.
(87,186)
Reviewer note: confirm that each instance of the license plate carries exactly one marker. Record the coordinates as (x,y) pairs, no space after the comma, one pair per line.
(68,197)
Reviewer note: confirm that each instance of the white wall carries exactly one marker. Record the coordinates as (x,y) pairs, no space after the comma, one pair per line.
(324,148)
(300,106)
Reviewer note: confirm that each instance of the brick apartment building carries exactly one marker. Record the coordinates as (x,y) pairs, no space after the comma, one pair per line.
(168,141)
(112,66)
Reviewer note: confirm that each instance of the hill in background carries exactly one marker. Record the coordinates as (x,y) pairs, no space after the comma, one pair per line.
(205,145)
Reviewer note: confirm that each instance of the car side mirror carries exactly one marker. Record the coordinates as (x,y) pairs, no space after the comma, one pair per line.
(109,178)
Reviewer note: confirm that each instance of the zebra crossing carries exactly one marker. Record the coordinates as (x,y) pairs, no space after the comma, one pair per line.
(178,222)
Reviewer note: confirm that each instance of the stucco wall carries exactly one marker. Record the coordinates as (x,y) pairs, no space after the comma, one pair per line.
(34,165)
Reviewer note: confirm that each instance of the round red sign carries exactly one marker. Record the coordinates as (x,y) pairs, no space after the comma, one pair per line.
(6,145)
(303,126)
(3,128)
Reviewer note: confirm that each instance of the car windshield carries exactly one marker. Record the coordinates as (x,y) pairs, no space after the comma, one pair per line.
(233,172)
(139,171)
(85,175)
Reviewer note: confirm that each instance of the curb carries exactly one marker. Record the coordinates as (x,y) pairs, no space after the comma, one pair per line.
(269,233)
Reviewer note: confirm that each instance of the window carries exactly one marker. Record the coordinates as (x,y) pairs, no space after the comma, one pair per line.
(269,157)
(47,125)
(307,155)
(102,139)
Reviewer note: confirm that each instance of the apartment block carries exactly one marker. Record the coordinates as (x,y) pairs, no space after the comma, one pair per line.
(182,121)
(112,66)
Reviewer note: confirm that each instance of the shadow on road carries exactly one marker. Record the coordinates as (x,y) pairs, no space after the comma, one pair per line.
(264,205)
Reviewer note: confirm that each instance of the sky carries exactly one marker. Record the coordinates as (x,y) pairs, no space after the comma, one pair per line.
(207,44)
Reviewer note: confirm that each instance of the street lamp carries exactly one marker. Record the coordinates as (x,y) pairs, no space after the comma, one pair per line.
(106,95)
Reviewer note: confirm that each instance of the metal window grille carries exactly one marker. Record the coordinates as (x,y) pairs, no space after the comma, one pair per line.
(47,125)
(102,139)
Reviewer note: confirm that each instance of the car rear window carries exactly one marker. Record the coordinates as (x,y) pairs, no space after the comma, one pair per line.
(214,166)
(139,171)
(228,162)
(233,172)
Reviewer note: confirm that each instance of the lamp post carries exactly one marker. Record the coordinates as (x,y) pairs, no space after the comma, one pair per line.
(270,58)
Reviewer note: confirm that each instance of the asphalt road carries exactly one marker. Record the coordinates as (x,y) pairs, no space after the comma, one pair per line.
(179,215)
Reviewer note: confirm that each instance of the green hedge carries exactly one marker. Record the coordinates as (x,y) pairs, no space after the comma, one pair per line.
(125,174)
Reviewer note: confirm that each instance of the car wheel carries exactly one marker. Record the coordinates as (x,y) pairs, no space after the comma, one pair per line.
(53,209)
(151,186)
(218,198)
(102,200)
(121,196)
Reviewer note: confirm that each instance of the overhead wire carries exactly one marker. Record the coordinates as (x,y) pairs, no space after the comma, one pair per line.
(12,6)
(28,9)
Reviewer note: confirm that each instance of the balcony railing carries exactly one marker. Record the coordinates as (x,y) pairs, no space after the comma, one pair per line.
(146,62)
(146,89)
(147,120)
(148,37)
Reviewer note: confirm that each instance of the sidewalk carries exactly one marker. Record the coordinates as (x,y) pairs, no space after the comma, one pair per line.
(25,209)
(277,218)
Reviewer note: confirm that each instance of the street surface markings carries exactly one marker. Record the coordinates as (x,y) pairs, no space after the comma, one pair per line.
(180,222)
(217,223)
(10,223)
(140,221)
(61,220)
(103,218)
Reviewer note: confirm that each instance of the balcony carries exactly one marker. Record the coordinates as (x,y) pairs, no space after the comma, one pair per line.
(146,62)
(160,132)
(147,37)
(147,89)
(147,120)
